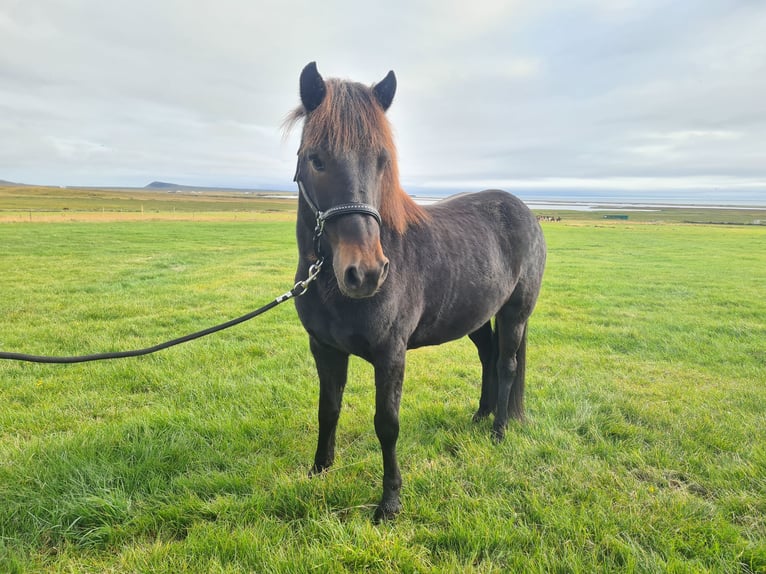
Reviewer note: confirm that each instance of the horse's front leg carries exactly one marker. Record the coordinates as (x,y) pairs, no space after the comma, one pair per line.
(332,367)
(389,374)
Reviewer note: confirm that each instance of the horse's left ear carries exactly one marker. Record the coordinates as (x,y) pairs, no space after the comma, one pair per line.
(313,89)
(385,89)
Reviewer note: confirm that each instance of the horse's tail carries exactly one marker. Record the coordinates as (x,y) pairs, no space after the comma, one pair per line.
(516,398)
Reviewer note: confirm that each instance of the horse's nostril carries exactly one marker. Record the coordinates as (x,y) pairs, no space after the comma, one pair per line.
(352,277)
(384,272)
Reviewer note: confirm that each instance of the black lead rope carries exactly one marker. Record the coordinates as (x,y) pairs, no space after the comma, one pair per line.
(300,288)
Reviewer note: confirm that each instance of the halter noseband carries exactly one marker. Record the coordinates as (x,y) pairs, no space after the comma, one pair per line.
(323,217)
(338,210)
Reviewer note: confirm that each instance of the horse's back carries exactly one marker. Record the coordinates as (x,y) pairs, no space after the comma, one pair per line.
(493,215)
(490,202)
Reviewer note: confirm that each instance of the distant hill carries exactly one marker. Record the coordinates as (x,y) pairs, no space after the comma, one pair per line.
(167,186)
(155,186)
(162,185)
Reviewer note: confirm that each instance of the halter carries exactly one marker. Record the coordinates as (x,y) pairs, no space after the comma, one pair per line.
(323,217)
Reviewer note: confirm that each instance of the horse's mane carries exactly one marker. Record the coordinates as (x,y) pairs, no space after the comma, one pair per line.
(350,118)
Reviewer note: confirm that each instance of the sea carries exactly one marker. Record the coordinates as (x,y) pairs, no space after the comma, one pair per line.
(599,200)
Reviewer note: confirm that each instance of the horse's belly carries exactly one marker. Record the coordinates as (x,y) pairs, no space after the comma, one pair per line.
(426,337)
(448,324)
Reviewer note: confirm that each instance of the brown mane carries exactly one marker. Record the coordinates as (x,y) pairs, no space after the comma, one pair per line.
(350,118)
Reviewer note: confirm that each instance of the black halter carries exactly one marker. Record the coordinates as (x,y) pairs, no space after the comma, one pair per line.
(336,211)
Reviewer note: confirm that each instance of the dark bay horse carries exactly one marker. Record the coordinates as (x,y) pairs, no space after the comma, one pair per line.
(396,275)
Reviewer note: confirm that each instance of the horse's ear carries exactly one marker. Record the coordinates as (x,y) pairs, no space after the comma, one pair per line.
(313,89)
(385,89)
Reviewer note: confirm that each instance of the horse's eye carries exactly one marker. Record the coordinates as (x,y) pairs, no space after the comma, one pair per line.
(383,160)
(316,162)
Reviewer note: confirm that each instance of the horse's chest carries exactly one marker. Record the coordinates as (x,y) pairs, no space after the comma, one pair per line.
(353,330)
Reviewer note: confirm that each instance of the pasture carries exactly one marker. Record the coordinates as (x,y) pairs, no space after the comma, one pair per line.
(644,450)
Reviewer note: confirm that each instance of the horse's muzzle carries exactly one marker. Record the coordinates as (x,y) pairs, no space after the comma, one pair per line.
(361,279)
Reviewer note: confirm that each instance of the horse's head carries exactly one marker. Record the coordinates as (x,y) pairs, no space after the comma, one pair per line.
(347,157)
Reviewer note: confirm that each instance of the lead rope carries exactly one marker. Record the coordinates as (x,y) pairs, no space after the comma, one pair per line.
(300,288)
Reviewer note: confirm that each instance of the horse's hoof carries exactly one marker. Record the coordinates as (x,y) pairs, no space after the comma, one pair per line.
(386,511)
(498,434)
(480,415)
(317,469)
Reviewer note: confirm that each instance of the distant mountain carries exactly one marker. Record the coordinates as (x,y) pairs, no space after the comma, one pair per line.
(167,186)
(163,185)
(157,186)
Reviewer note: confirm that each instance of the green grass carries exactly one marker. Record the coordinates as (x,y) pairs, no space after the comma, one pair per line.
(39,203)
(669,214)
(644,450)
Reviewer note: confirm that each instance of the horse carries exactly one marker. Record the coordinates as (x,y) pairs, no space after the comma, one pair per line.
(390,275)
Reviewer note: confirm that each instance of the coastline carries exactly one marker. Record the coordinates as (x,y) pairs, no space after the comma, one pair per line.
(560,203)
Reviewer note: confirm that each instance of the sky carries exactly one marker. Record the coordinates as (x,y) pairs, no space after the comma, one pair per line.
(611,95)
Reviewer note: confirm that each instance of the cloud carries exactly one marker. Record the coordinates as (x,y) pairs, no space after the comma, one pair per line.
(588,93)
(76,149)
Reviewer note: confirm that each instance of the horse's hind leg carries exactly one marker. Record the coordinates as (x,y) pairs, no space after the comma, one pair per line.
(516,396)
(485,343)
(512,338)
(332,367)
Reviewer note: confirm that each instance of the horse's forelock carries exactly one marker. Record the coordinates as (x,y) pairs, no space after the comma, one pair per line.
(350,118)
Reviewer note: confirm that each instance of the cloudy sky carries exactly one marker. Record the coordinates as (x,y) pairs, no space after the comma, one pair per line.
(526,94)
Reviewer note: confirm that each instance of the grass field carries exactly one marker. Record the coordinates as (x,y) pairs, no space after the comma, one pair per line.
(52,204)
(644,451)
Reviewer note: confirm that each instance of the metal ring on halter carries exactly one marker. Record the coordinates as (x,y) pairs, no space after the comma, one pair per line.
(302,286)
